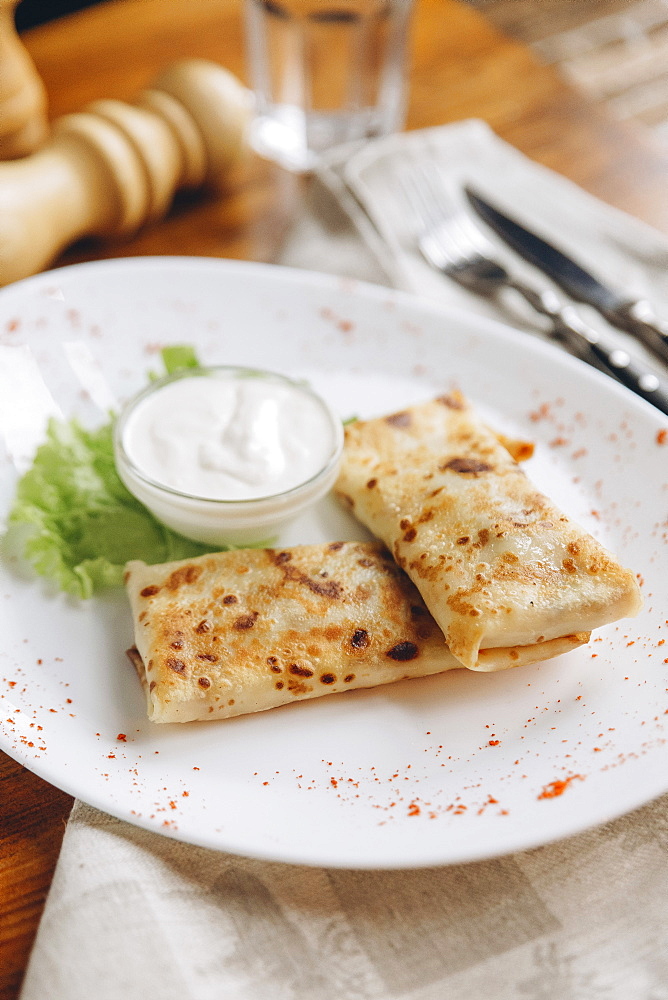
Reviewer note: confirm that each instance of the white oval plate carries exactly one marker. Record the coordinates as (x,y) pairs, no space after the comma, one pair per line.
(433,771)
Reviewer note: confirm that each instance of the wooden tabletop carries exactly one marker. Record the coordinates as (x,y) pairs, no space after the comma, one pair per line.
(460,68)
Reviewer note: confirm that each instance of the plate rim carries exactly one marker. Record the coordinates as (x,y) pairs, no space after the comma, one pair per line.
(499,328)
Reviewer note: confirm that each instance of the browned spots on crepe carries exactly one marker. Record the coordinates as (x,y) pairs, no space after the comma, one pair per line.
(360,639)
(178,666)
(246,621)
(466,466)
(323,587)
(183,576)
(453,401)
(299,671)
(403,651)
(401,419)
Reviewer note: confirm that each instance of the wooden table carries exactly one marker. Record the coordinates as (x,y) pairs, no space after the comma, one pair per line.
(460,68)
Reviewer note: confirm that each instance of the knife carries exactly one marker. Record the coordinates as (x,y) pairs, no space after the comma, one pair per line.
(635,316)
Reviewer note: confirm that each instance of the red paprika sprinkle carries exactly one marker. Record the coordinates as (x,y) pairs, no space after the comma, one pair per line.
(555,788)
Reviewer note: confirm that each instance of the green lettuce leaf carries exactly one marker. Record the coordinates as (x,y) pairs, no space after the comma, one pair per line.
(84,525)
(78,523)
(179,356)
(175,358)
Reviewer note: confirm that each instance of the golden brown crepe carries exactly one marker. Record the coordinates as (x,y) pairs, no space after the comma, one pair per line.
(495,562)
(237,632)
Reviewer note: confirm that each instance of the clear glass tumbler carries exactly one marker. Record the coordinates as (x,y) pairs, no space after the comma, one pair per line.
(325,72)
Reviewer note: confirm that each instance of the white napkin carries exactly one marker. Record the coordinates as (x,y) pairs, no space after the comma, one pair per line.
(135,915)
(358,224)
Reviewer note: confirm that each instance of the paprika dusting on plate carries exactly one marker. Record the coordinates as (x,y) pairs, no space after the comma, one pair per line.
(556,788)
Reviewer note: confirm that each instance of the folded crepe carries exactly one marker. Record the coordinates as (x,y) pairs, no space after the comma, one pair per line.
(244,631)
(497,564)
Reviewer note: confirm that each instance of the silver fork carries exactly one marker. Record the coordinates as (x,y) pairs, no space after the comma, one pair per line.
(451,242)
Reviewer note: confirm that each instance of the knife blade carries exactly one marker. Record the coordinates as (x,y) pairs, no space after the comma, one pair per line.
(635,316)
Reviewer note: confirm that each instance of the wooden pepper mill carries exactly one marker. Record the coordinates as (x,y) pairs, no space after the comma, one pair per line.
(112,167)
(23,123)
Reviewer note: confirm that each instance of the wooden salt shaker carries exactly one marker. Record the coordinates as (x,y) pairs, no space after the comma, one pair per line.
(23,122)
(112,167)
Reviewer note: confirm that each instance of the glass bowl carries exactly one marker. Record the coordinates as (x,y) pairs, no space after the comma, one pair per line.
(158,427)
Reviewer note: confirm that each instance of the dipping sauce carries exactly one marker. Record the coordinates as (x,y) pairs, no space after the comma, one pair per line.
(229,438)
(215,450)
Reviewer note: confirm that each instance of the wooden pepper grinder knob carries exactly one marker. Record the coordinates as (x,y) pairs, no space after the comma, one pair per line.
(23,124)
(113,166)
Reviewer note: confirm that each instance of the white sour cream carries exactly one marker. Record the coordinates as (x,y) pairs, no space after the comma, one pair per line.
(226,455)
(229,438)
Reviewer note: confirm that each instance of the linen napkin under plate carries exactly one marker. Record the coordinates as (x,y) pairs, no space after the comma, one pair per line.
(358,223)
(132,914)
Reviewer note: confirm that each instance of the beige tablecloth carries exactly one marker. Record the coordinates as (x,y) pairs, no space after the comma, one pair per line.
(135,915)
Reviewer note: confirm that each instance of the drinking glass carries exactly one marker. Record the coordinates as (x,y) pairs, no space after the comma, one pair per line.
(324,72)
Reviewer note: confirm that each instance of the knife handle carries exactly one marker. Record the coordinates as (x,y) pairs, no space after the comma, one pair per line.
(590,346)
(639,319)
(635,375)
